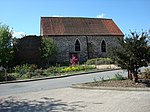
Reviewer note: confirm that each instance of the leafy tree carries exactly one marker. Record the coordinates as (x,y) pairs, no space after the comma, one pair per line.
(6,48)
(49,50)
(133,53)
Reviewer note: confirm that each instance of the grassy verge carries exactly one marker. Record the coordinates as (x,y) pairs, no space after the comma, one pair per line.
(24,72)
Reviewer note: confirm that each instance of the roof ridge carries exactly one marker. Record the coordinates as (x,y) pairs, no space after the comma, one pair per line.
(76,17)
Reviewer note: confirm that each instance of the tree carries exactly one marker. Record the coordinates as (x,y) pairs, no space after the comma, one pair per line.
(133,53)
(49,50)
(6,48)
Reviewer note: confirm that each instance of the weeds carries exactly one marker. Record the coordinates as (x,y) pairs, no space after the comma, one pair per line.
(118,76)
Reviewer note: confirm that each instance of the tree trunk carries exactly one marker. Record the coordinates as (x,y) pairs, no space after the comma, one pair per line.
(135,77)
(130,75)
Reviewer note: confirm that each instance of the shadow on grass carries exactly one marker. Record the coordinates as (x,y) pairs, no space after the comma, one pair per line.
(45,104)
(145,81)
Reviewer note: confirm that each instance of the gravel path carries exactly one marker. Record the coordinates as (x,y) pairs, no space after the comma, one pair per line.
(77,100)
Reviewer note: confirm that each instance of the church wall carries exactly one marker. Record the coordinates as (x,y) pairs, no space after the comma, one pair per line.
(66,45)
(95,42)
(28,48)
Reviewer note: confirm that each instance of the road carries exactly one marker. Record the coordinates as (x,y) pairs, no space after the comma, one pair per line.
(77,100)
(35,86)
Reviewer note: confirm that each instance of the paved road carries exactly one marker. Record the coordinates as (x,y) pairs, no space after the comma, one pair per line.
(15,88)
(77,100)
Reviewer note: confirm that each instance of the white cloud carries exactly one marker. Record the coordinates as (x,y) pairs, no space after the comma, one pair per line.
(18,34)
(102,15)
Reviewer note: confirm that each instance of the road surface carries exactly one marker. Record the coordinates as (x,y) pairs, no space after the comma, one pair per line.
(77,100)
(35,86)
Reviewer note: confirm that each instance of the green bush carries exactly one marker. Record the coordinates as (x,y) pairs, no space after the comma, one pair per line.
(118,77)
(99,61)
(9,76)
(53,70)
(26,69)
(2,75)
(39,71)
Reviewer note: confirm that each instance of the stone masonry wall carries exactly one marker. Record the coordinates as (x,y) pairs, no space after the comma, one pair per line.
(95,41)
(66,45)
(28,50)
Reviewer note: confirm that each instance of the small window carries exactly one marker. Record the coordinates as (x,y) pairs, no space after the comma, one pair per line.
(103,46)
(77,45)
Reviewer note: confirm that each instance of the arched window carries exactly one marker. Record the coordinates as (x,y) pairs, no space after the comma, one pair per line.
(103,46)
(77,45)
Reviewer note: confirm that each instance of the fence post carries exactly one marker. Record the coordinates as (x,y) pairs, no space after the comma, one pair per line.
(96,63)
(5,74)
(59,69)
(110,65)
(85,67)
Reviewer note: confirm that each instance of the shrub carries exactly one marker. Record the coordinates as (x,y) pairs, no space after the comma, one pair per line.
(39,71)
(53,70)
(76,68)
(2,75)
(99,61)
(26,69)
(146,74)
(118,77)
(9,76)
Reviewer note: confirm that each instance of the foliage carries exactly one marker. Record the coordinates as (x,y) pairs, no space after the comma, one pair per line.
(118,76)
(77,68)
(146,74)
(49,50)
(53,70)
(133,53)
(102,78)
(9,76)
(6,48)
(39,71)
(2,75)
(26,70)
(99,61)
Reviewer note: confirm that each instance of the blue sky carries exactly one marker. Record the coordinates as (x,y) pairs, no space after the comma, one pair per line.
(24,15)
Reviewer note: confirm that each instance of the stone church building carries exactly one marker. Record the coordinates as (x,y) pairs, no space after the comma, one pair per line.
(83,37)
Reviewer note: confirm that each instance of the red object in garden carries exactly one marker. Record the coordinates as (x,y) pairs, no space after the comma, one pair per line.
(73,60)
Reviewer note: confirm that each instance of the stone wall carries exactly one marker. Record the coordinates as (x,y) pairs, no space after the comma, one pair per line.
(66,45)
(95,42)
(28,50)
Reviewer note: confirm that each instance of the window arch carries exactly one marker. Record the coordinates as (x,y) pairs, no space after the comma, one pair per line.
(77,45)
(103,46)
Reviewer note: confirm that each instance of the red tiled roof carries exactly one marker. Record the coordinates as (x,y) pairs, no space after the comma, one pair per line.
(78,26)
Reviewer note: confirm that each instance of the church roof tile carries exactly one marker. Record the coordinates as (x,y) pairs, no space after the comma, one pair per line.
(78,26)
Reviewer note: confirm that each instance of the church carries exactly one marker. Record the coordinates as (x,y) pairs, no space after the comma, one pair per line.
(85,38)
(82,38)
